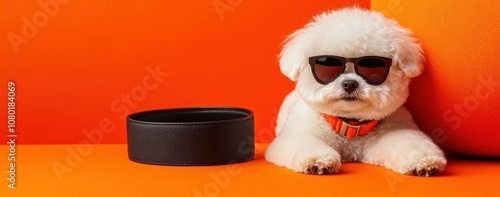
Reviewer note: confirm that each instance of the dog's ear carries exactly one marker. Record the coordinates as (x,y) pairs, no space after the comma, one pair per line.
(291,58)
(409,54)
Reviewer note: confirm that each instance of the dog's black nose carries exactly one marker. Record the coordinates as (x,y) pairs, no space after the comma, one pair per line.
(350,85)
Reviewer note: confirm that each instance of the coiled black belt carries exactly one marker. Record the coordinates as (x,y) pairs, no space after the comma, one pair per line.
(191,136)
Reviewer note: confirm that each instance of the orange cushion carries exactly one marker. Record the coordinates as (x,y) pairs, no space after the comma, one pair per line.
(456,99)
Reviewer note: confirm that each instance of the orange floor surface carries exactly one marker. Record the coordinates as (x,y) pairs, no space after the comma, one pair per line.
(104,170)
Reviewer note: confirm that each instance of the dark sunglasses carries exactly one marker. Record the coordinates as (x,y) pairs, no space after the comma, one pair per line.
(374,69)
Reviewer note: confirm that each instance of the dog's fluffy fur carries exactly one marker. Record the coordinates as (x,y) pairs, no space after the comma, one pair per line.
(305,142)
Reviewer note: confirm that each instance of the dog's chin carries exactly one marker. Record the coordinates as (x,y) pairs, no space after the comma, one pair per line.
(350,99)
(350,106)
(347,103)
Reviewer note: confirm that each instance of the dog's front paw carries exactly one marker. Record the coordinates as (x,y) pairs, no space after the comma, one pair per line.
(326,163)
(428,171)
(321,166)
(426,166)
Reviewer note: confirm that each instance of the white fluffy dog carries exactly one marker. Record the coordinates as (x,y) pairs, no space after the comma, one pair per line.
(352,68)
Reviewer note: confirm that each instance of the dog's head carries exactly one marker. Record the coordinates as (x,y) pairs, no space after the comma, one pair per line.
(351,33)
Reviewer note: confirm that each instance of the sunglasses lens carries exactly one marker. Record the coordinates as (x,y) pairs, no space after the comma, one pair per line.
(374,70)
(328,69)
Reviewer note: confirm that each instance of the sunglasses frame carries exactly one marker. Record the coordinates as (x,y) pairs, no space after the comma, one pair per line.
(355,61)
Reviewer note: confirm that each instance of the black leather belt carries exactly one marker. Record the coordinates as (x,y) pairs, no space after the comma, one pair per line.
(191,136)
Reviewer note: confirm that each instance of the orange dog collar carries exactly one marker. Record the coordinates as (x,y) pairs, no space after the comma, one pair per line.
(350,129)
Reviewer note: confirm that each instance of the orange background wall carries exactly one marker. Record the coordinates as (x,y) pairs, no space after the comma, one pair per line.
(81,66)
